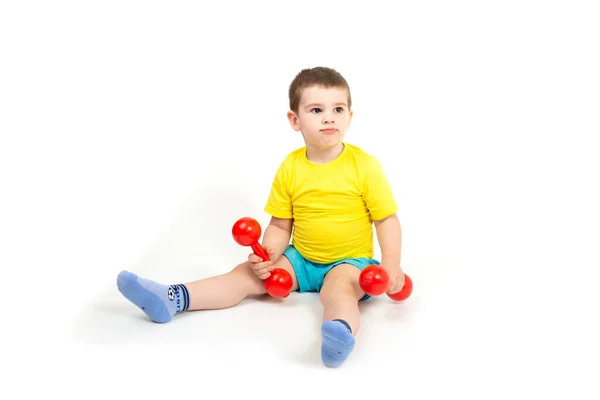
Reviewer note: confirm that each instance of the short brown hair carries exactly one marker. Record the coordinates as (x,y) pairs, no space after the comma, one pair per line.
(317,76)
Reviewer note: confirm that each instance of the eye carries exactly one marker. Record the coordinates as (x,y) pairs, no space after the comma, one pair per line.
(315,110)
(339,109)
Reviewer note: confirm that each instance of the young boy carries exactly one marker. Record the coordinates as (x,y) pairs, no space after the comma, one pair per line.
(329,194)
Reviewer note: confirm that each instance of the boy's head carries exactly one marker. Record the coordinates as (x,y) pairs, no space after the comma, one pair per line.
(320,108)
(318,76)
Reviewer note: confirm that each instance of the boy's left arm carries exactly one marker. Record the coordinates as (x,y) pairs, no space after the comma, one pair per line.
(389,235)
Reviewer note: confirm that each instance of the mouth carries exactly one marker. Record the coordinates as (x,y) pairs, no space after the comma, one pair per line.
(328,131)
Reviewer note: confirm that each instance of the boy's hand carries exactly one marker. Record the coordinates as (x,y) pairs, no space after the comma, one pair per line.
(396,278)
(261,268)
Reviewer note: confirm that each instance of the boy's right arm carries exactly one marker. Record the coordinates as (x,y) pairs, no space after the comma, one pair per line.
(275,241)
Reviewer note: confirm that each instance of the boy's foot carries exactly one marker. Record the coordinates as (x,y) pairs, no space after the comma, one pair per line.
(159,302)
(337,344)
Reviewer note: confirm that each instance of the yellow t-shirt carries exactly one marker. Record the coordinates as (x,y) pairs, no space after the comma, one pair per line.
(333,205)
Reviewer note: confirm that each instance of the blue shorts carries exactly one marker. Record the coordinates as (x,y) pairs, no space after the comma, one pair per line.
(311,275)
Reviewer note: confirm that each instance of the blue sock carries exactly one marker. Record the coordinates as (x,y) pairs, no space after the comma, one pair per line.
(159,302)
(338,342)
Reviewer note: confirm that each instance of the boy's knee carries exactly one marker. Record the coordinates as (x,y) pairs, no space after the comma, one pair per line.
(242,268)
(342,282)
(337,288)
(338,293)
(245,272)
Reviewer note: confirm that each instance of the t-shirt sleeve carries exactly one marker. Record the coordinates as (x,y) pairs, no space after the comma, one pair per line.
(377,192)
(279,203)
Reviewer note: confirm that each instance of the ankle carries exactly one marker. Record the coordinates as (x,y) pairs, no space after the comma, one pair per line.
(345,323)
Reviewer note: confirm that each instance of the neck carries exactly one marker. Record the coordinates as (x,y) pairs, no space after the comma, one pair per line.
(319,156)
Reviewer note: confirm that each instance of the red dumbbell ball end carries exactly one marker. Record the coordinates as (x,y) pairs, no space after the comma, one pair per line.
(246,231)
(374,280)
(279,284)
(405,292)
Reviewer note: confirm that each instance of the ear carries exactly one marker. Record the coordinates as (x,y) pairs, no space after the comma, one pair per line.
(350,114)
(293,118)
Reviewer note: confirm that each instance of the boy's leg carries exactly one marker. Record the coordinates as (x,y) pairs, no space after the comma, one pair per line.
(230,289)
(340,296)
(160,302)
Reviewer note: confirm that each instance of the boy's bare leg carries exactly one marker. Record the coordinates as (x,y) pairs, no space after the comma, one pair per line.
(226,290)
(340,295)
(160,302)
(230,289)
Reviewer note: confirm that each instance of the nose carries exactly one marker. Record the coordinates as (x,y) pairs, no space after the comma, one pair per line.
(327,118)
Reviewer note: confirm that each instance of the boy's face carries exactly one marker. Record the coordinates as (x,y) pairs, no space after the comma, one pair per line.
(323,117)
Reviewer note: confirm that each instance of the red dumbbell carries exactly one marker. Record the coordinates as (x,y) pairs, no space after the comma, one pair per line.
(374,281)
(246,232)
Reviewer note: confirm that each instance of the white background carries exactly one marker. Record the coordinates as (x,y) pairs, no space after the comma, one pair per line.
(484,115)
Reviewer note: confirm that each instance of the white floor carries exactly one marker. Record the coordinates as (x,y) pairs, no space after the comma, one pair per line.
(486,321)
